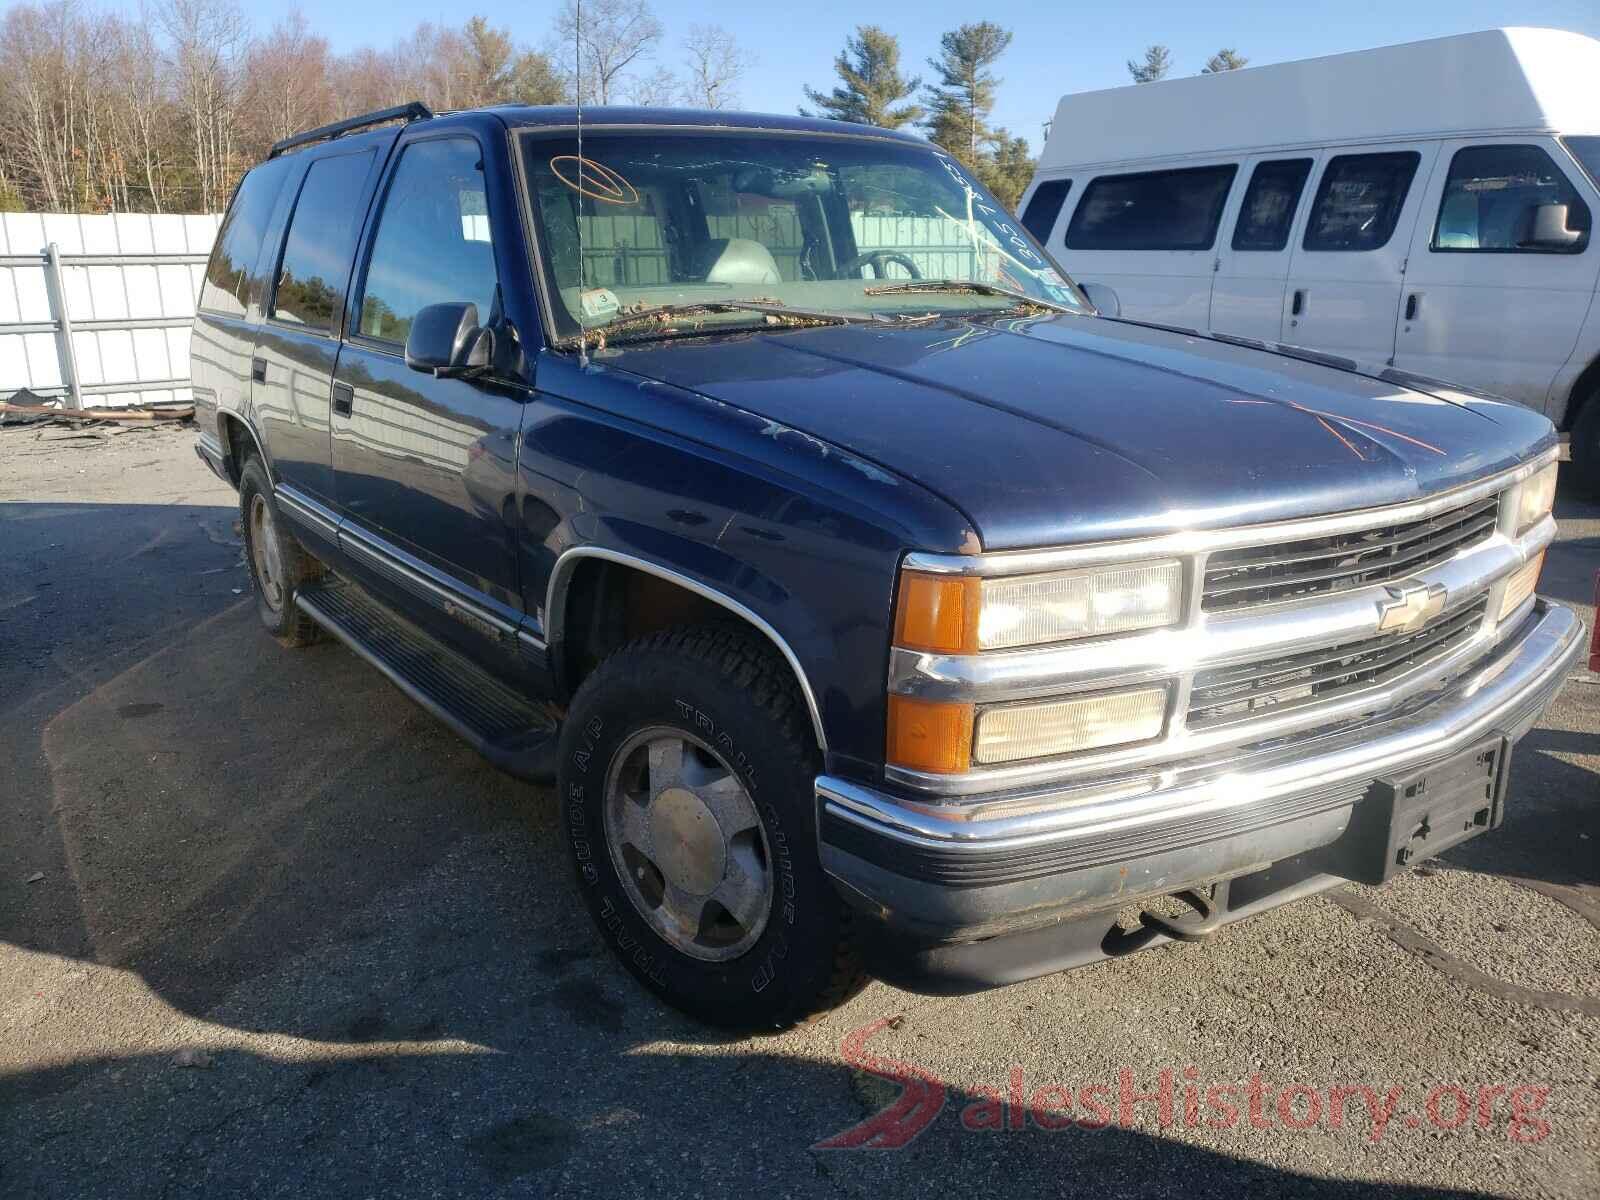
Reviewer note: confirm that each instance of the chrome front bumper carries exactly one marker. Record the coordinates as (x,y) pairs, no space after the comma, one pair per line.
(936,873)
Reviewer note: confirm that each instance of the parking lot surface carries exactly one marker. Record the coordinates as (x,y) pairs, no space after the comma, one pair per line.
(267,929)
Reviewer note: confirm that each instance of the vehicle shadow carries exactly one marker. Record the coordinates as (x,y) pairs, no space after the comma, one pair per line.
(274,859)
(620,1121)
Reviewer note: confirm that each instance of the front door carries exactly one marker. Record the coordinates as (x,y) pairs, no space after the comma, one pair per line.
(1347,269)
(425,467)
(1502,270)
(1253,252)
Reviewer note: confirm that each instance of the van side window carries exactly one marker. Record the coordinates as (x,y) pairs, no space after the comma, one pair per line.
(226,288)
(1587,151)
(432,244)
(1044,206)
(1359,200)
(321,242)
(1269,204)
(1153,210)
(1509,200)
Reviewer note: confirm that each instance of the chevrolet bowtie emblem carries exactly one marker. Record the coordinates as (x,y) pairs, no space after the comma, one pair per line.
(1410,608)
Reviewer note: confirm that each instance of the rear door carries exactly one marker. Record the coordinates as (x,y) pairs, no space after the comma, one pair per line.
(1254,251)
(1492,300)
(293,362)
(426,467)
(1151,237)
(1346,273)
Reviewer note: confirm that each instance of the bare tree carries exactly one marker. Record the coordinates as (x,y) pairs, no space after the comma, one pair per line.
(658,89)
(288,83)
(612,37)
(714,62)
(208,39)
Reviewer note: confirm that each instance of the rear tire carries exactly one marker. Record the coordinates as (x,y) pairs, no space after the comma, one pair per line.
(278,564)
(1586,447)
(686,772)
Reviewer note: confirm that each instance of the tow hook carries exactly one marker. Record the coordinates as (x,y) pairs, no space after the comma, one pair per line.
(1199,925)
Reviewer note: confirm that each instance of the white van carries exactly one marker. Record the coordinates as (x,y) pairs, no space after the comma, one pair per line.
(1427,205)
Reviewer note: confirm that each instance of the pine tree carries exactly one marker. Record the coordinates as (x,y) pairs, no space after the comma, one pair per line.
(1223,60)
(869,67)
(960,104)
(1007,172)
(1157,62)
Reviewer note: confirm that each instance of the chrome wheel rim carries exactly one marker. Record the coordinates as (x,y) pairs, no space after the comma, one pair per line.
(688,845)
(264,552)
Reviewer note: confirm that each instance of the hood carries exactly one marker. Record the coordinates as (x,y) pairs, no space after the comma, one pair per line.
(1047,431)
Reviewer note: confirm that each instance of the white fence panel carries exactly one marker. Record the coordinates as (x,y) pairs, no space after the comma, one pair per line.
(95,309)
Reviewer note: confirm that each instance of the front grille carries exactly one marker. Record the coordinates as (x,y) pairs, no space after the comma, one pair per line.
(1225,695)
(1339,562)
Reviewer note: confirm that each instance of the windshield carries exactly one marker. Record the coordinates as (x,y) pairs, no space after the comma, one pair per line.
(827,226)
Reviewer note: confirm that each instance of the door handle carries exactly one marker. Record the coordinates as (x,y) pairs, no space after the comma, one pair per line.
(1411,307)
(1298,304)
(344,399)
(258,370)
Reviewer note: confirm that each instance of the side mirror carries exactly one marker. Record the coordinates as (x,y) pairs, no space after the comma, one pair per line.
(1103,298)
(445,341)
(1547,228)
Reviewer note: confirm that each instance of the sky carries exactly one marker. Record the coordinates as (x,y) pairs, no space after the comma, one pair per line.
(1058,47)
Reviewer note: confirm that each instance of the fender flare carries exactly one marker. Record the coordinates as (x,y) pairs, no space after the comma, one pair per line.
(555,614)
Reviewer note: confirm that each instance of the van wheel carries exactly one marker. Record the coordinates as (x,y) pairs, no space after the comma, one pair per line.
(686,786)
(278,563)
(1586,446)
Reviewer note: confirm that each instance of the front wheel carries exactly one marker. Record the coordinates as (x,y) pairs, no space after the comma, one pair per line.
(1586,447)
(686,785)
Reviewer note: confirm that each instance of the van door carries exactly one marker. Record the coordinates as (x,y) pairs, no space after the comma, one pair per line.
(292,367)
(1253,252)
(425,466)
(1502,268)
(1150,236)
(1346,272)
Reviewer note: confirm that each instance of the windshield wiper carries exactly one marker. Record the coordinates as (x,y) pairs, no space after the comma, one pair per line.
(958,286)
(657,321)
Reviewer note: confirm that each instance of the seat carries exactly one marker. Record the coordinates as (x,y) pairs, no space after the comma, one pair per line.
(740,260)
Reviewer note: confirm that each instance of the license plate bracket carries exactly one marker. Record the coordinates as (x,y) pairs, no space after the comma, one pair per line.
(1408,817)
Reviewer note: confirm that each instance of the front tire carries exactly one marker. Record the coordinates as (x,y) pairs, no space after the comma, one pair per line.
(686,775)
(1585,447)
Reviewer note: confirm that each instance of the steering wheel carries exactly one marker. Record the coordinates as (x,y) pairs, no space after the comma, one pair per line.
(876,259)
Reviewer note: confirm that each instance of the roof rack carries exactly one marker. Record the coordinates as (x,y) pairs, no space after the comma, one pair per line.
(415,111)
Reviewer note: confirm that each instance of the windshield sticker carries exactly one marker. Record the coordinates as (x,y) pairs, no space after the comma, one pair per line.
(594,180)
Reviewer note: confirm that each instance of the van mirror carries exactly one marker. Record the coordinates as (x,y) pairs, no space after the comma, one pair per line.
(1103,298)
(445,341)
(1547,228)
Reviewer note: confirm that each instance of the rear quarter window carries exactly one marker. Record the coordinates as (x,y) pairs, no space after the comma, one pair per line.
(237,250)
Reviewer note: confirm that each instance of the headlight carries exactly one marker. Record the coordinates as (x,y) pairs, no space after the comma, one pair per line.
(1536,498)
(961,615)
(1016,731)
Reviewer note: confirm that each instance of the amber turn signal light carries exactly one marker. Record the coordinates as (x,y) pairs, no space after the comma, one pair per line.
(929,735)
(938,613)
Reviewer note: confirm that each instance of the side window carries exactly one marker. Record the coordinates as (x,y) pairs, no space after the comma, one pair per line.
(226,288)
(1509,199)
(1155,210)
(322,234)
(1044,206)
(1359,200)
(1269,204)
(433,241)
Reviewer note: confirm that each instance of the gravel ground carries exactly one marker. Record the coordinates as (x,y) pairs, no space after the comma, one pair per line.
(265,928)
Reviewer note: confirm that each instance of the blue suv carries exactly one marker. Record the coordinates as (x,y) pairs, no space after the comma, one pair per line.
(876,602)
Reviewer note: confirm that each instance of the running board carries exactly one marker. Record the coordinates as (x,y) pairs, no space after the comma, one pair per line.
(514,733)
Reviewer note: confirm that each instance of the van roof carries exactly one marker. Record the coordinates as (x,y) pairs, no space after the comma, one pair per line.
(1497,81)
